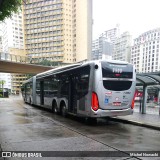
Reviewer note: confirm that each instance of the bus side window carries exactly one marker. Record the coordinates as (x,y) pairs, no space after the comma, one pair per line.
(22,88)
(82,85)
(38,87)
(64,89)
(64,83)
(29,88)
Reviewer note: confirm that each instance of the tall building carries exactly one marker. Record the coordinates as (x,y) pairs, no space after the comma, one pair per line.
(12,37)
(16,78)
(95,49)
(111,34)
(145,53)
(12,33)
(0,40)
(6,77)
(58,30)
(103,46)
(101,49)
(122,47)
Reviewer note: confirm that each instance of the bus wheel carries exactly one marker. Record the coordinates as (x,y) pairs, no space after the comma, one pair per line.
(55,108)
(64,110)
(30,101)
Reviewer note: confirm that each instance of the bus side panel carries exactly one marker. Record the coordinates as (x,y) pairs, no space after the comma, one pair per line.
(28,92)
(84,102)
(38,92)
(97,82)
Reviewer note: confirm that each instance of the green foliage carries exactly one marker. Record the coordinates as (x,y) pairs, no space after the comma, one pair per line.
(29,75)
(1,95)
(2,82)
(46,62)
(7,7)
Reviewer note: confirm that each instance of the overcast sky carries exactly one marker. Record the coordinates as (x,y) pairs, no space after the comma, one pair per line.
(135,16)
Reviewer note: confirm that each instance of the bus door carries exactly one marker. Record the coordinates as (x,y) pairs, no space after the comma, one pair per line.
(72,106)
(42,92)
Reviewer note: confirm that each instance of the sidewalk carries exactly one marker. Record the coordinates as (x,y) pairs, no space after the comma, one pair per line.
(150,120)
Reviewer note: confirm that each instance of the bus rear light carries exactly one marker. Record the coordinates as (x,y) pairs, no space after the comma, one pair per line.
(132,104)
(117,75)
(95,103)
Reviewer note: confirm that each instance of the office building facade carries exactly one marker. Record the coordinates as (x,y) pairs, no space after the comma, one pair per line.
(145,53)
(12,39)
(58,30)
(0,40)
(12,33)
(102,47)
(95,49)
(16,78)
(122,47)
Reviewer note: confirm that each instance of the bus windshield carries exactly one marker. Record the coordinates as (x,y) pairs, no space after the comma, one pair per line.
(115,76)
(111,70)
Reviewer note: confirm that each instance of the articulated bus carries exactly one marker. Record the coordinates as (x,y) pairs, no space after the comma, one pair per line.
(91,89)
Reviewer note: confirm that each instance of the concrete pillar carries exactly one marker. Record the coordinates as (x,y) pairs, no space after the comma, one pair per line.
(158,96)
(143,111)
(140,105)
(158,102)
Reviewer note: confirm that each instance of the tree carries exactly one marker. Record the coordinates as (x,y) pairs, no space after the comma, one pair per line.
(46,62)
(7,7)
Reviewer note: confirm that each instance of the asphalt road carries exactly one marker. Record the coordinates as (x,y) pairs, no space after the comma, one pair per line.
(27,128)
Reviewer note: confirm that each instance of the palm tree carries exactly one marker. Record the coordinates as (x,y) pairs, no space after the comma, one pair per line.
(2,82)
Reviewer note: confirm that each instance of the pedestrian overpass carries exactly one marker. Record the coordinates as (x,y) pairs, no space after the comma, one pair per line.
(10,63)
(24,68)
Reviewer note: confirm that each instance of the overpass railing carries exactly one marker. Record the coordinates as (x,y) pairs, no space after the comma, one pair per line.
(14,58)
(21,59)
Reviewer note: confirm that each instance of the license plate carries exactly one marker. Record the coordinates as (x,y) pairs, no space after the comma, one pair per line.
(117,103)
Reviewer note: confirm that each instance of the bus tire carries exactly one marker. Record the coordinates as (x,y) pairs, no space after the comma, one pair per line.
(30,101)
(54,107)
(63,110)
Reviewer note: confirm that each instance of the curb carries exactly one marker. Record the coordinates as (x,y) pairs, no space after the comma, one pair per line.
(135,123)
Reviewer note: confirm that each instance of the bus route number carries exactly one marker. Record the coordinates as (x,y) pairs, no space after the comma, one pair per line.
(117,70)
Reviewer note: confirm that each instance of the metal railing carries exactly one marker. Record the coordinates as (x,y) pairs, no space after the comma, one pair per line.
(23,59)
(14,58)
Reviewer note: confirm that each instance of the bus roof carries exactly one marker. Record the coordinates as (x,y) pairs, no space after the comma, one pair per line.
(59,69)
